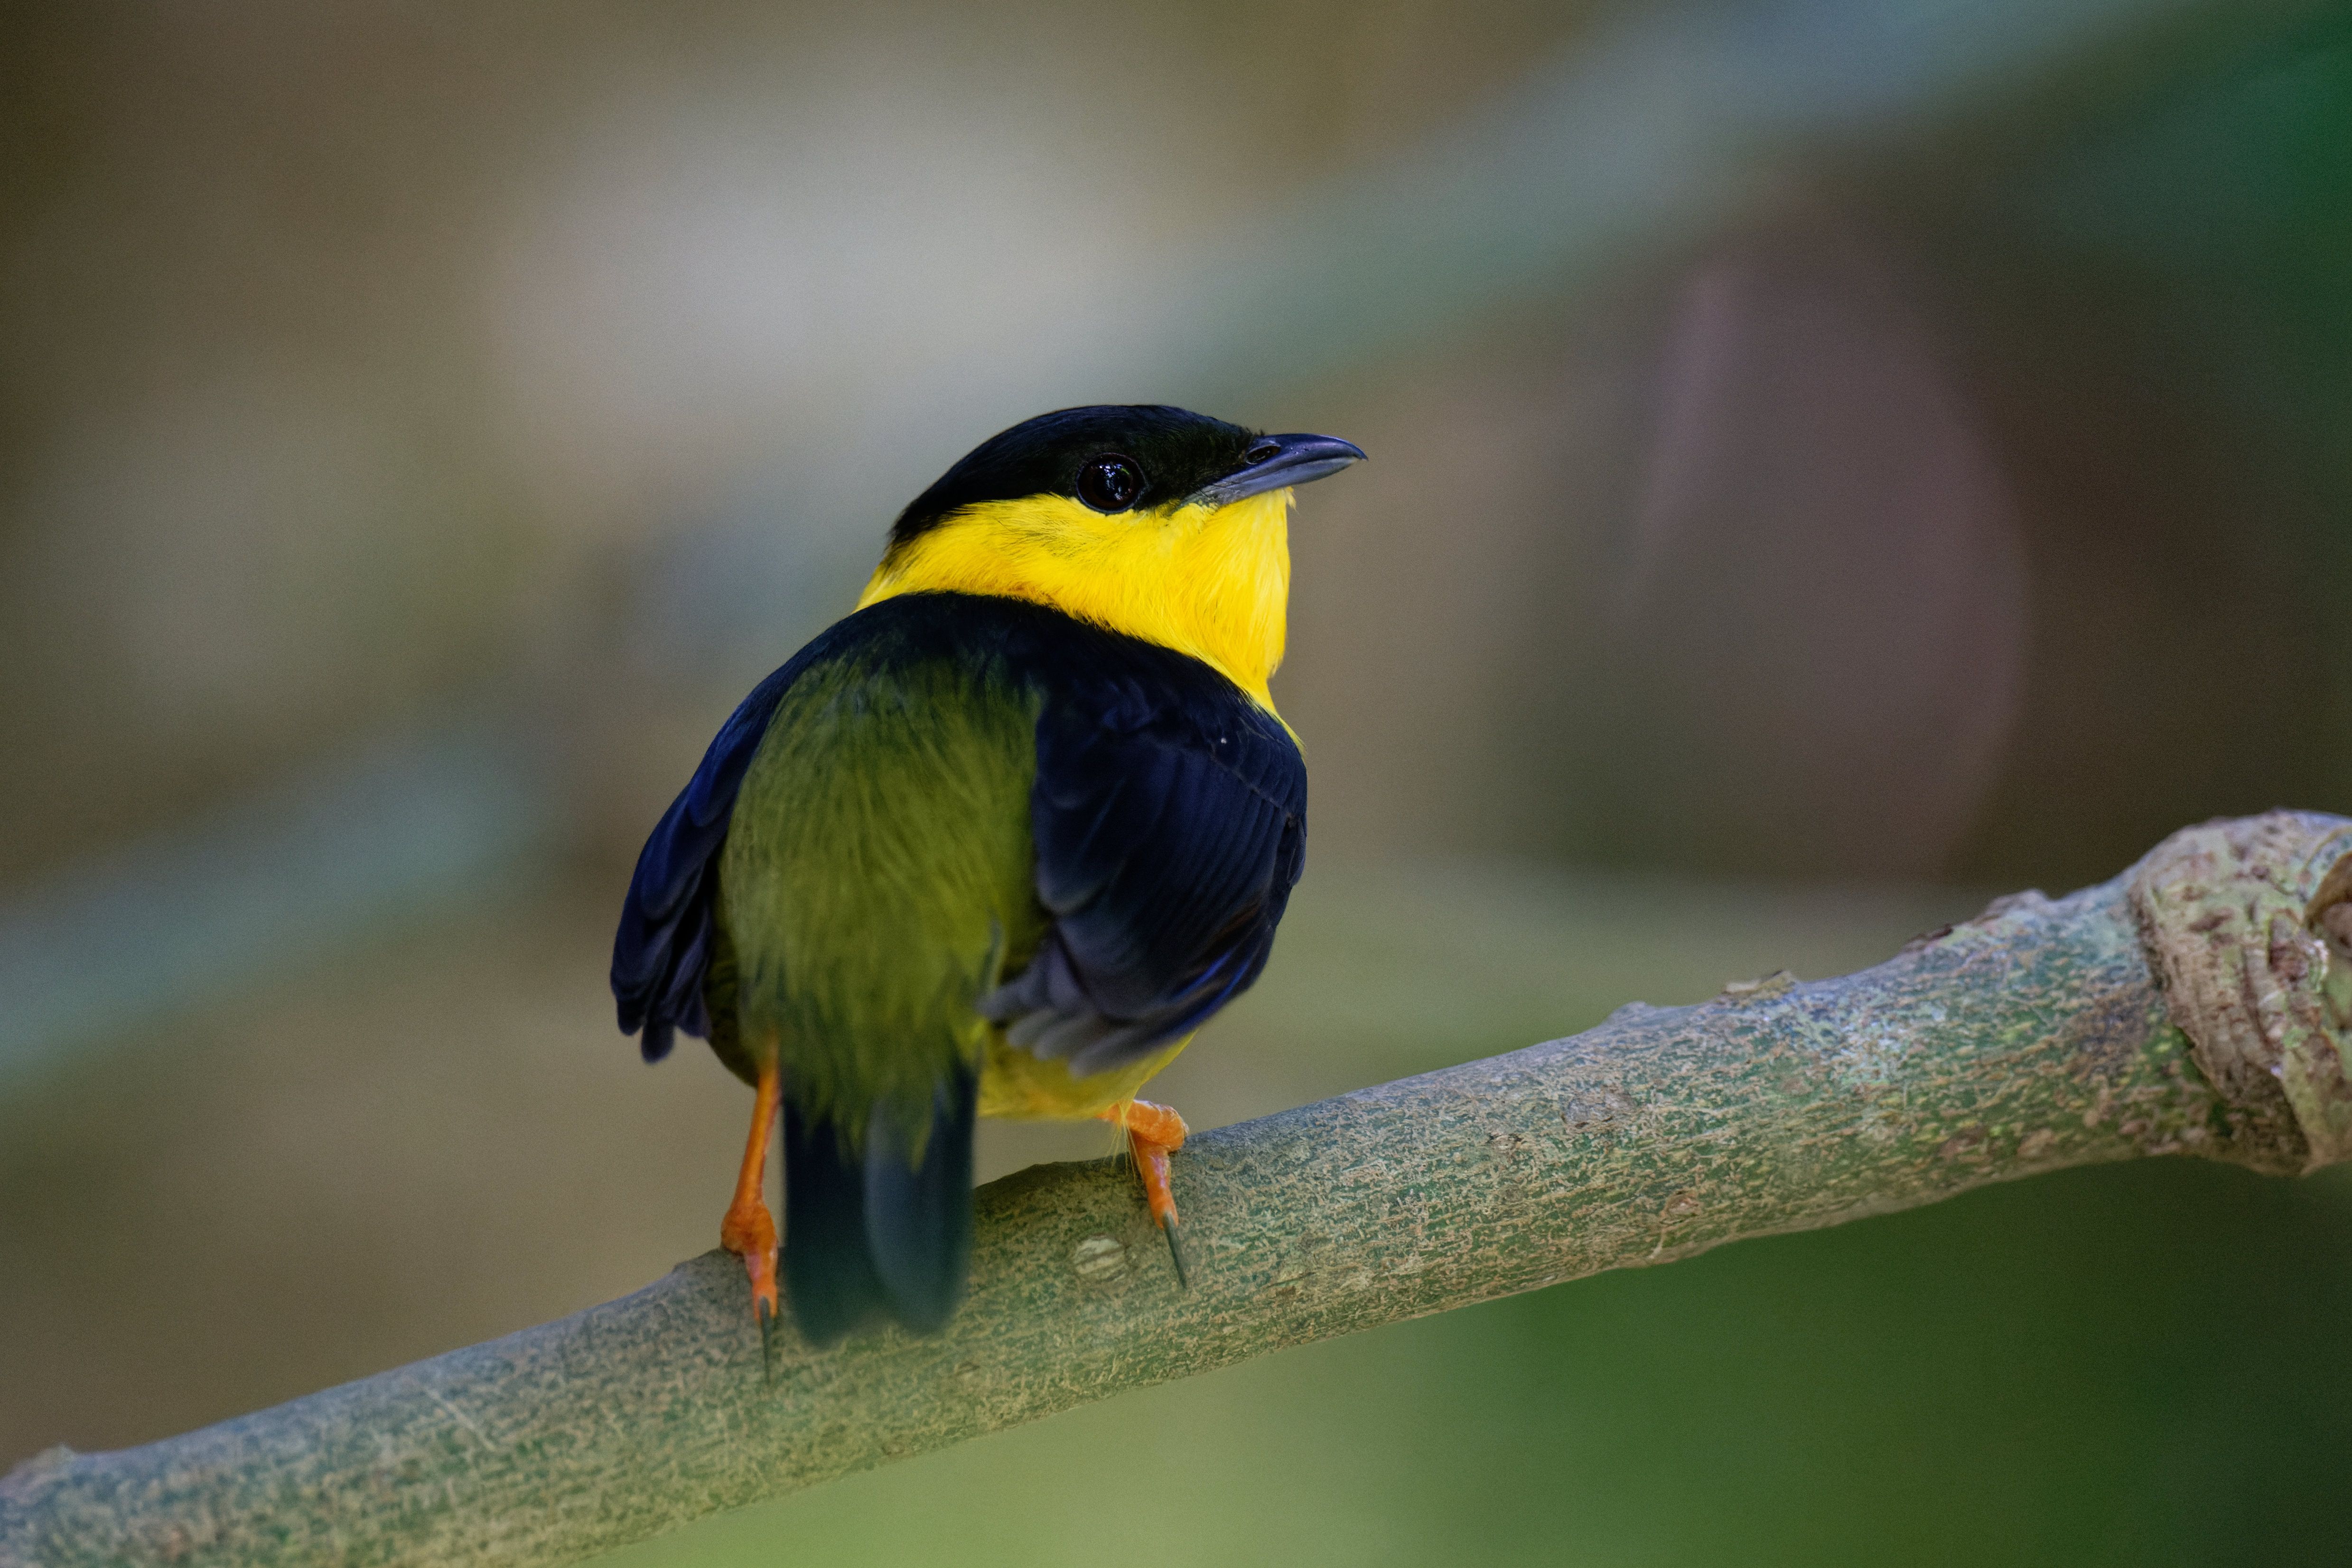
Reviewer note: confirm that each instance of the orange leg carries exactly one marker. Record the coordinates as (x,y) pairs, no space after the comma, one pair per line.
(748,1230)
(1153,1133)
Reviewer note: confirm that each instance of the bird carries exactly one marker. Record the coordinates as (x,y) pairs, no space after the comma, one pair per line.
(995,843)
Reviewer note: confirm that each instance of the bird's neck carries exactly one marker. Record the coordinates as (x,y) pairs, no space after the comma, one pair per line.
(1211,583)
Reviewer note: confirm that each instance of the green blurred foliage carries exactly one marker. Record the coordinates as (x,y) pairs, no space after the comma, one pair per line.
(2158,310)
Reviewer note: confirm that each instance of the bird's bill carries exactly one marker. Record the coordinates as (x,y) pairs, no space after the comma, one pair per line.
(1292,460)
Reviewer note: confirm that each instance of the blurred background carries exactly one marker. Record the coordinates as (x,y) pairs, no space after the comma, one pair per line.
(1832,461)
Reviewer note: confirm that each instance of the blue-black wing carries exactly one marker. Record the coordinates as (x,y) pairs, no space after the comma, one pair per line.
(1169,816)
(662,950)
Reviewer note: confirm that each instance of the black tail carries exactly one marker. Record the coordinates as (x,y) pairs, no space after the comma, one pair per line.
(874,1235)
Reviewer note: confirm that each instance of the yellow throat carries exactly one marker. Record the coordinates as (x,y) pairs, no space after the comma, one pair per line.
(1213,583)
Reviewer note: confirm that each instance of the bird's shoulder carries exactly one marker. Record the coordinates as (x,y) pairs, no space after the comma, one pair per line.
(1145,762)
(1081,674)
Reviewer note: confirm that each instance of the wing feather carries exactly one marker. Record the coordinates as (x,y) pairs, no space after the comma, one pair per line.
(1169,822)
(662,950)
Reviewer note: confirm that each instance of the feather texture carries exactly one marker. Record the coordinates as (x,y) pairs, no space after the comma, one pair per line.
(953,817)
(663,951)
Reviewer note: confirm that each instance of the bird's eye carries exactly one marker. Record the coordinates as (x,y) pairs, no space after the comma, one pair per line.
(1110,482)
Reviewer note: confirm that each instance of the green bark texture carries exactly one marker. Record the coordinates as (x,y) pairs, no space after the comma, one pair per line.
(2200,1004)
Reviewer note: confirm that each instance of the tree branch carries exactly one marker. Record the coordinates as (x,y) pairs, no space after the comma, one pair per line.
(2034,1036)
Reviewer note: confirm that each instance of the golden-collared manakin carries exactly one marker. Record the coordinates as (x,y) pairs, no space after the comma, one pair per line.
(994,845)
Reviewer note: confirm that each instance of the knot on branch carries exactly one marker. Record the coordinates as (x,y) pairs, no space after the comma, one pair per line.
(2248,928)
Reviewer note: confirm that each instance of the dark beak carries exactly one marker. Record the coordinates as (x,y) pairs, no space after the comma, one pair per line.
(1274,461)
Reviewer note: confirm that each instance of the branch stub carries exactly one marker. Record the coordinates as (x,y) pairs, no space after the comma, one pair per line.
(2248,927)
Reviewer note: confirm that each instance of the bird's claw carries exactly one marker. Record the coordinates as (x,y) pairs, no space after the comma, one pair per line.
(748,1229)
(761,1265)
(1154,1133)
(1176,1253)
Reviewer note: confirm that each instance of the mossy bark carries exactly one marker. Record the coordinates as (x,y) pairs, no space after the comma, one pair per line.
(2037,1035)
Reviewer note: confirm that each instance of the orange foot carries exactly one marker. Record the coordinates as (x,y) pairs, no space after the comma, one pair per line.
(1153,1133)
(748,1230)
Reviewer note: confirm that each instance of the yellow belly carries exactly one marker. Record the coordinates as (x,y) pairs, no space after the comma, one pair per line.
(1020,1087)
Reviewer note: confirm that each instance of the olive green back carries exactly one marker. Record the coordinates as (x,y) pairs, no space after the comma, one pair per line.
(876,880)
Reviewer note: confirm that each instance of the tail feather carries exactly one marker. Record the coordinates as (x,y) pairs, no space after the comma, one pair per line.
(828,1275)
(871,1234)
(919,1216)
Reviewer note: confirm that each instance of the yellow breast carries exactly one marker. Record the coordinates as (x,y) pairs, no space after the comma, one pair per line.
(1207,581)
(1015,1085)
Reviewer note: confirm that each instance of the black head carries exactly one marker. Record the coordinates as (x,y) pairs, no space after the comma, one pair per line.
(1118,458)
